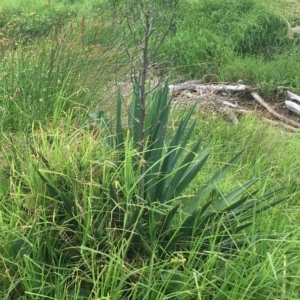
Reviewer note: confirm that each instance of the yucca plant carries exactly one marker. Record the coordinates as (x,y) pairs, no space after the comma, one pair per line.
(164,217)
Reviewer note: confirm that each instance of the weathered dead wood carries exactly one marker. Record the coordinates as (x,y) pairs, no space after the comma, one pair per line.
(293,96)
(293,107)
(212,87)
(273,112)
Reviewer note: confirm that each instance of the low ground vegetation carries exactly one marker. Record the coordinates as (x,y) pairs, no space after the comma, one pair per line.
(73,225)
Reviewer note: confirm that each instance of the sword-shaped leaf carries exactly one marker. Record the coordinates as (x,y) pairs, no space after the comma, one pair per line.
(69,204)
(184,231)
(260,209)
(175,150)
(240,202)
(134,227)
(155,150)
(257,203)
(171,160)
(204,192)
(224,202)
(173,188)
(166,222)
(190,175)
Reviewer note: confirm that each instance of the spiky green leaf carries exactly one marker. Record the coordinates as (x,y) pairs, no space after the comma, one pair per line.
(113,194)
(178,143)
(204,192)
(166,222)
(181,179)
(226,200)
(190,175)
(185,231)
(55,193)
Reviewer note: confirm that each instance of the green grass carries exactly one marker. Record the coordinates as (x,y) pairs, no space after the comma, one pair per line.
(229,40)
(54,78)
(263,270)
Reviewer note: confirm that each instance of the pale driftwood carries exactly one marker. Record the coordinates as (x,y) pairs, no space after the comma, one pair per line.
(293,107)
(273,112)
(213,88)
(293,96)
(194,88)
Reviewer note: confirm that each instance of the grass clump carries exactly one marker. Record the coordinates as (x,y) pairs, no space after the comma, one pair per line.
(22,24)
(209,37)
(48,78)
(25,23)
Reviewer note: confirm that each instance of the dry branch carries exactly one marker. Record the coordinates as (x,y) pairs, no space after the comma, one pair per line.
(273,112)
(227,103)
(242,111)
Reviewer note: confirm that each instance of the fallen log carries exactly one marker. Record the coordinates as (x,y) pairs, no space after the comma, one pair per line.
(293,107)
(213,87)
(273,112)
(293,96)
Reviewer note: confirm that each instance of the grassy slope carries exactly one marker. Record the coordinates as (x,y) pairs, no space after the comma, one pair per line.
(228,41)
(268,270)
(289,9)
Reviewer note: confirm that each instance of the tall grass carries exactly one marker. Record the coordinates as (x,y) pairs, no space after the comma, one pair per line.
(259,271)
(231,40)
(207,38)
(47,78)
